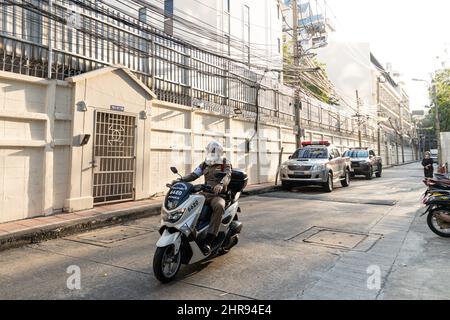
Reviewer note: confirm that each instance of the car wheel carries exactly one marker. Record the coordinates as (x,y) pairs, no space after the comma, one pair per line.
(328,186)
(379,172)
(369,175)
(346,181)
(286,186)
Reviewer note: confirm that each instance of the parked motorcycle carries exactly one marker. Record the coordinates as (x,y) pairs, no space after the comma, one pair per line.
(440,183)
(185,220)
(436,201)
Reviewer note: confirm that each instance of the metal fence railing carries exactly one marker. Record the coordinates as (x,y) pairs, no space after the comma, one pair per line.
(176,71)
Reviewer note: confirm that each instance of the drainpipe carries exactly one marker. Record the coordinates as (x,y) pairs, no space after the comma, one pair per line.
(50,48)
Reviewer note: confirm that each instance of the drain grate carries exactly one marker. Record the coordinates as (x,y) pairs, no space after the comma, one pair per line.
(339,239)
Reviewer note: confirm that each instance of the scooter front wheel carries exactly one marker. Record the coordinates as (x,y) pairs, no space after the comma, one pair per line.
(166,263)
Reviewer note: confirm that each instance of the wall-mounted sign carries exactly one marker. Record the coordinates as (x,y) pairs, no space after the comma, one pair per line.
(117,108)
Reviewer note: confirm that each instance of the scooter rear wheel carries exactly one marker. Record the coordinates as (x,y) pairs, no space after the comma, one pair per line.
(433,224)
(166,263)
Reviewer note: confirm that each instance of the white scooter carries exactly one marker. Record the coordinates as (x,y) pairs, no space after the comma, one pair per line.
(184,224)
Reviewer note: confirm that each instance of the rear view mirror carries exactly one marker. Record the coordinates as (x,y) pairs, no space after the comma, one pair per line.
(174,170)
(290,157)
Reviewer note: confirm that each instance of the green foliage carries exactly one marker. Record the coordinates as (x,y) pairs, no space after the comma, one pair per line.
(442,83)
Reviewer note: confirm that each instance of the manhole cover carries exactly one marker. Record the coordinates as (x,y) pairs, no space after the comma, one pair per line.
(109,236)
(336,239)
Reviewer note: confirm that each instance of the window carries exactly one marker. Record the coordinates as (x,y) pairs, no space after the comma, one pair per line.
(356,154)
(311,153)
(227,25)
(246,15)
(247,53)
(336,153)
(226,5)
(168,8)
(228,44)
(168,17)
(246,32)
(279,45)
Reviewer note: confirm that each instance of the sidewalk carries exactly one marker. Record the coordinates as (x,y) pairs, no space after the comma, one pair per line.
(21,232)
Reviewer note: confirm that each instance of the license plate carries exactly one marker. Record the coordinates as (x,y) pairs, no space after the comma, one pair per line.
(300,173)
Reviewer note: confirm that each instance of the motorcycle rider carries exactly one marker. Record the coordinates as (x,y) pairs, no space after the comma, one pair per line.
(214,162)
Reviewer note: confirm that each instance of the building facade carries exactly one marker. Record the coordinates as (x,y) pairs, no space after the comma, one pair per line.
(373,96)
(98,103)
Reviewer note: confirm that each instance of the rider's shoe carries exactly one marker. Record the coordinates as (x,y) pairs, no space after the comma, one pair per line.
(206,246)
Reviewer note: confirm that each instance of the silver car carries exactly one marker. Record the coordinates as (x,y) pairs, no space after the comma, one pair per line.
(317,163)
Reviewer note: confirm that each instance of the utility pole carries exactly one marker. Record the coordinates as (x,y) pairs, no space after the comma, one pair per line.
(400,114)
(358,116)
(438,123)
(378,116)
(297,103)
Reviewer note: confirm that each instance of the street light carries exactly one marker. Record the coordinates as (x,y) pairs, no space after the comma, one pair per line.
(432,87)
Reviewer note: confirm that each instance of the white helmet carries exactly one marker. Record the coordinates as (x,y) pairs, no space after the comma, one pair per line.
(214,153)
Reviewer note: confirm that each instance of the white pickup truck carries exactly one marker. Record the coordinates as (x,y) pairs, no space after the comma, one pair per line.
(317,163)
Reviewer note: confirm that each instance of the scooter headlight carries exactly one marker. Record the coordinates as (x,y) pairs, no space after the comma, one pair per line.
(173,217)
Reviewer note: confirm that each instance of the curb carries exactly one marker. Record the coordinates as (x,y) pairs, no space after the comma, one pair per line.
(261,191)
(400,164)
(54,231)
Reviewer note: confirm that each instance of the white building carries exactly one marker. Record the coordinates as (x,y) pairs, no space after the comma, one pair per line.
(383,103)
(246,30)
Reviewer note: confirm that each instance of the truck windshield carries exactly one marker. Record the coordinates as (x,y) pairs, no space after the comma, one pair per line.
(356,153)
(311,153)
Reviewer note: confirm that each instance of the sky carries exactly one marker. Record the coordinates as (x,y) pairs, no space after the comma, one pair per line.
(409,34)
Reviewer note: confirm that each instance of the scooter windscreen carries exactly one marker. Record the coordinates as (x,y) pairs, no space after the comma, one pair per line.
(177,194)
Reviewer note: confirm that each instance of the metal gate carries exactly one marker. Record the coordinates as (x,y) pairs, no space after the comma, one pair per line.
(114,157)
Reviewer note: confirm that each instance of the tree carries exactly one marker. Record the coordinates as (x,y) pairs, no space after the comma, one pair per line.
(442,82)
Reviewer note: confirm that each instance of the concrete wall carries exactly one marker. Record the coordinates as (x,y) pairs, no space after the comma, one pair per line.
(99,91)
(179,136)
(44,170)
(34,131)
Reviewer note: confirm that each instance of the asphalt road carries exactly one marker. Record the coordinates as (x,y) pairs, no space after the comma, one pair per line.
(304,244)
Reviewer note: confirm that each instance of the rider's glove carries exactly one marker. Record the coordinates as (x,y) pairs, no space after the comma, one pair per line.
(218,188)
